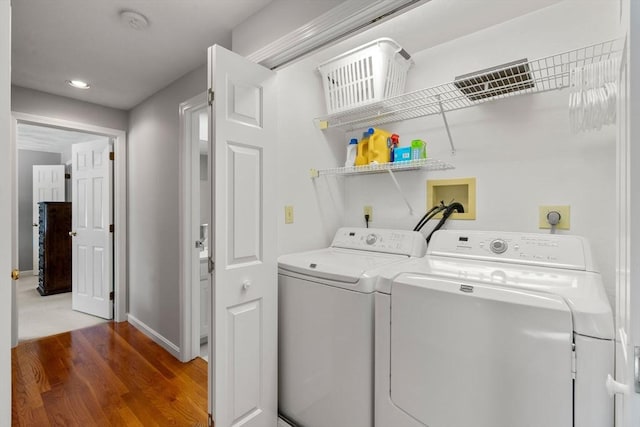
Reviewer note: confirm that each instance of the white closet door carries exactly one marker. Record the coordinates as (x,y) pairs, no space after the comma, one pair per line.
(48,186)
(92,247)
(243,359)
(627,308)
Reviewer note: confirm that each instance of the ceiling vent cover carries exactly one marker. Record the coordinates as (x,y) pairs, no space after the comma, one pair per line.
(495,81)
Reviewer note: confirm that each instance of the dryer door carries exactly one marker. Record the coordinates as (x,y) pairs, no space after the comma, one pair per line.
(464,354)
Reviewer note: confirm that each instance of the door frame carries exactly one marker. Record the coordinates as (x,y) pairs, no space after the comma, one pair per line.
(189,267)
(119,196)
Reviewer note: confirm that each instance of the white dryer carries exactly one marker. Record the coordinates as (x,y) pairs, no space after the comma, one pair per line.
(495,329)
(325,325)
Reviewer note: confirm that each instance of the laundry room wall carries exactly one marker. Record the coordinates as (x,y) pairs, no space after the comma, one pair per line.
(318,204)
(520,150)
(154,136)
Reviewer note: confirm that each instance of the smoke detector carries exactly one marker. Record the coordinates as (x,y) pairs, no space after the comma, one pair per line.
(134,20)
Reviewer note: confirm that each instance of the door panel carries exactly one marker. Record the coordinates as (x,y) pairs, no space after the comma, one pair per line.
(243,334)
(244,204)
(245,357)
(48,186)
(91,217)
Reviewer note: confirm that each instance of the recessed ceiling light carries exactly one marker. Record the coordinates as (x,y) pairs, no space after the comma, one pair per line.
(134,20)
(78,84)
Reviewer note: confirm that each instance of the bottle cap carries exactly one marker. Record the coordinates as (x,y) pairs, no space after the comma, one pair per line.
(370,131)
(353,141)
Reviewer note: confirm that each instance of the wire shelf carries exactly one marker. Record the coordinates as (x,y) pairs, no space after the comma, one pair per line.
(514,79)
(427,164)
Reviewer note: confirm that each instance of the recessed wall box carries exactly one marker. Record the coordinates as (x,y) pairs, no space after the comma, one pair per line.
(461,190)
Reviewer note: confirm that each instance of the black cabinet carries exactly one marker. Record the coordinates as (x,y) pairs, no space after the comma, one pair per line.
(55,248)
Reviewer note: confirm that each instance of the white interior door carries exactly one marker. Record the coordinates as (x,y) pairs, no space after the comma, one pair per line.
(48,186)
(92,247)
(243,331)
(627,308)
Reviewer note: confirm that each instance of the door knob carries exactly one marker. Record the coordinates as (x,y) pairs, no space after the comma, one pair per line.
(246,285)
(73,233)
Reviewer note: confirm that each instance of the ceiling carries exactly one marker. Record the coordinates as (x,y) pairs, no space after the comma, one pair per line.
(55,41)
(49,139)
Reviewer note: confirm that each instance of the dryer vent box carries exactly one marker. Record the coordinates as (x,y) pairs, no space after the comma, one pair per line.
(461,190)
(495,81)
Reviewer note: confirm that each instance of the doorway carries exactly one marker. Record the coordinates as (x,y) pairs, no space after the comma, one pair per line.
(45,200)
(195,215)
(39,125)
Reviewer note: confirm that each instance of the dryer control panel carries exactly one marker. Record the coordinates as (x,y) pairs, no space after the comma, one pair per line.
(401,242)
(548,250)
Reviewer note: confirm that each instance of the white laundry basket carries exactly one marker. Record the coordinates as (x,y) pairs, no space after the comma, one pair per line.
(366,74)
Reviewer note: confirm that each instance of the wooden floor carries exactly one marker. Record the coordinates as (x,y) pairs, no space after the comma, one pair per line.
(105,375)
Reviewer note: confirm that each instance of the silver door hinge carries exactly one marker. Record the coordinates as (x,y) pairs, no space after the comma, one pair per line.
(212,265)
(111,228)
(112,155)
(210,96)
(211,422)
(111,296)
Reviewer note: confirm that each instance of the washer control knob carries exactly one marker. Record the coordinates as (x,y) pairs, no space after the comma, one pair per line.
(371,239)
(498,246)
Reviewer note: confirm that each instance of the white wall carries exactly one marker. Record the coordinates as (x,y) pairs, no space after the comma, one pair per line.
(275,20)
(6,295)
(153,206)
(318,204)
(31,101)
(520,150)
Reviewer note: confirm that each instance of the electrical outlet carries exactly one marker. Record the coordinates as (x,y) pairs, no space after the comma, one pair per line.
(368,210)
(565,216)
(288,214)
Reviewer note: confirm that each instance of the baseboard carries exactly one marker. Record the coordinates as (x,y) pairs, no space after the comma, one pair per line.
(155,336)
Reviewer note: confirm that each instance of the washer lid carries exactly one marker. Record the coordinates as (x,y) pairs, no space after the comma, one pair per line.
(467,354)
(340,265)
(583,291)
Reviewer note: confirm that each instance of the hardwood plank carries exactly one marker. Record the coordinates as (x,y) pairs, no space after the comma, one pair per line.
(192,374)
(30,367)
(60,409)
(106,375)
(141,376)
(26,407)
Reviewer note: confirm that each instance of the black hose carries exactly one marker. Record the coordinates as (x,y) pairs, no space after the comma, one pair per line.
(430,214)
(453,207)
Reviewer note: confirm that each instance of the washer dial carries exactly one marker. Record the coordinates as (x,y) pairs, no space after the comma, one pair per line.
(371,239)
(498,246)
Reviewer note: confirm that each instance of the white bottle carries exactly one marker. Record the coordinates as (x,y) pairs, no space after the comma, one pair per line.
(352,151)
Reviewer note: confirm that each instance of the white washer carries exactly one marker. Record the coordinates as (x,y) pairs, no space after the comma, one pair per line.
(494,329)
(325,325)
